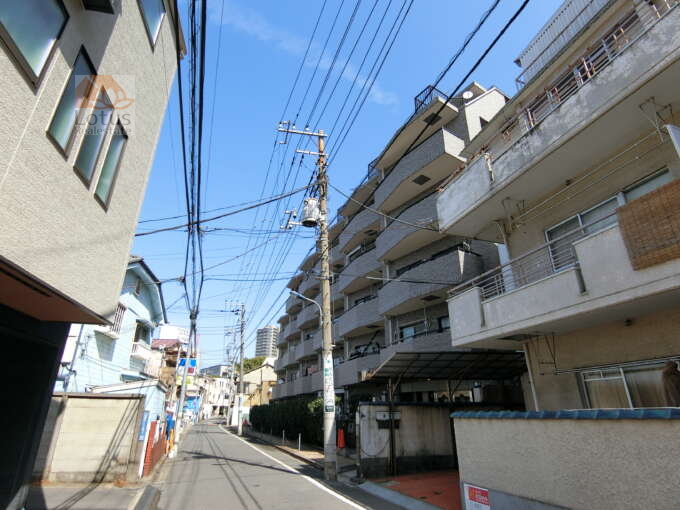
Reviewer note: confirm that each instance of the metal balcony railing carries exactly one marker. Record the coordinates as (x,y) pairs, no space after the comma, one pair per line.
(365,248)
(541,262)
(599,55)
(426,96)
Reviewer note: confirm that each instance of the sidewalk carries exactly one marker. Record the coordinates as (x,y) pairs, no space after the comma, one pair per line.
(81,497)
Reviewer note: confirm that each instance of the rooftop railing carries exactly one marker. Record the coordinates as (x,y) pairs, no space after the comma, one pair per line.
(426,96)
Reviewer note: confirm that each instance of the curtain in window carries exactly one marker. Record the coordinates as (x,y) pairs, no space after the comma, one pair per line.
(606,390)
(645,386)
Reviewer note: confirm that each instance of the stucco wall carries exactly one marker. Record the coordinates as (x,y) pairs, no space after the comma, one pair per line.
(52,225)
(579,464)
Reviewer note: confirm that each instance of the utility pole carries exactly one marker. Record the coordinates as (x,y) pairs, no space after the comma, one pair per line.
(329,447)
(240,379)
(179,415)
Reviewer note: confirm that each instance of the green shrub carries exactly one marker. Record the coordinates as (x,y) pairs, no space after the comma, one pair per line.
(302,415)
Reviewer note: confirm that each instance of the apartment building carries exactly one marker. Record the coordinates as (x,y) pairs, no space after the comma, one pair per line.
(85,87)
(392,268)
(265,343)
(577,178)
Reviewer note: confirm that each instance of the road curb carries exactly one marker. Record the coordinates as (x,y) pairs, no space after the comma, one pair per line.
(146,499)
(311,462)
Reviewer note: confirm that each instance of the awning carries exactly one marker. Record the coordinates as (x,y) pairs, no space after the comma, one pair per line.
(475,364)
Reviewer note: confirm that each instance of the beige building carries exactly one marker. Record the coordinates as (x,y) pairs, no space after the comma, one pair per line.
(577,178)
(392,268)
(257,384)
(85,85)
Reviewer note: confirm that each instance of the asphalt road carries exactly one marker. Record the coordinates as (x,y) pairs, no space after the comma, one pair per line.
(215,469)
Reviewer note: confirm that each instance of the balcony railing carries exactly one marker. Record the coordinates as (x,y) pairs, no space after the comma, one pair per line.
(364,248)
(141,350)
(537,264)
(426,96)
(598,56)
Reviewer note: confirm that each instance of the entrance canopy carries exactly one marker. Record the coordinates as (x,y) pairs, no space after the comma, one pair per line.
(452,365)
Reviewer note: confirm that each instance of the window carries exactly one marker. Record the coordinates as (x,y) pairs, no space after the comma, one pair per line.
(412,330)
(77,89)
(444,323)
(596,218)
(111,164)
(625,387)
(142,333)
(153,12)
(118,318)
(95,131)
(138,286)
(647,184)
(30,28)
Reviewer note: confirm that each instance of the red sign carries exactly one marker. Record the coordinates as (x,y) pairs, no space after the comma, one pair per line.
(476,498)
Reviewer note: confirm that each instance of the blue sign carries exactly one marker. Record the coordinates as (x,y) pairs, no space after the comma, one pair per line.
(142,429)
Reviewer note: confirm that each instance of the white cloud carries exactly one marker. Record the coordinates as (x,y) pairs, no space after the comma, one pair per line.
(252,23)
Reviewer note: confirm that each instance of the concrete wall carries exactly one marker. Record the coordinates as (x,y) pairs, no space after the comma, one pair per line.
(91,438)
(579,464)
(422,442)
(52,225)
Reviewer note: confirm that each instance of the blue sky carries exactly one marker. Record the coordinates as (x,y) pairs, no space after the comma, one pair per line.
(260,46)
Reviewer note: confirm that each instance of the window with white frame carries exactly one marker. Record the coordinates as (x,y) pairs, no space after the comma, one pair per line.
(564,234)
(30,29)
(625,386)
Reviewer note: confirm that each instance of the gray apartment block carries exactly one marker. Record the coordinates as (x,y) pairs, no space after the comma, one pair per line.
(391,268)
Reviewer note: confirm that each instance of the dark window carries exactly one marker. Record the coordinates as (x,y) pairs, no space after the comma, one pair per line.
(142,333)
(30,28)
(443,323)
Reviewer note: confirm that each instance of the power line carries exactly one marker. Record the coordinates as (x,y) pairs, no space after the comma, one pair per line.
(224,215)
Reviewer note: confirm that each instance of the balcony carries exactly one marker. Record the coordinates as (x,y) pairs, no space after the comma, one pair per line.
(598,98)
(292,329)
(280,363)
(426,282)
(398,238)
(291,355)
(309,347)
(428,163)
(282,339)
(281,391)
(352,277)
(293,304)
(360,319)
(141,350)
(354,371)
(364,225)
(309,316)
(558,288)
(311,284)
(337,256)
(361,193)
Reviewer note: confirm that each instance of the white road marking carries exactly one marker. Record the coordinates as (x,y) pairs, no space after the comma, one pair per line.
(293,470)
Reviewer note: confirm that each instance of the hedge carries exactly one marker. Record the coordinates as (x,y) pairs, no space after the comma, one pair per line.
(302,415)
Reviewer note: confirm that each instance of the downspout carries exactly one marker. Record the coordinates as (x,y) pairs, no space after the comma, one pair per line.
(393,456)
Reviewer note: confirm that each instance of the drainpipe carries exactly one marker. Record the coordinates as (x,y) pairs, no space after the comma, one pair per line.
(71,370)
(527,359)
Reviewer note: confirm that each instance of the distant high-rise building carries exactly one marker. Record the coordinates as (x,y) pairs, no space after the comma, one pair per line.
(266,341)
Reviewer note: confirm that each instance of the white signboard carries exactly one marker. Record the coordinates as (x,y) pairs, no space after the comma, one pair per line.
(476,498)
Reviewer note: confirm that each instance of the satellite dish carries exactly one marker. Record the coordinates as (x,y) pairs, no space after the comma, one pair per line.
(468,95)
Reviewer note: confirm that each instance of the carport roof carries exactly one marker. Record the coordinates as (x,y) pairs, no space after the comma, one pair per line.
(473,364)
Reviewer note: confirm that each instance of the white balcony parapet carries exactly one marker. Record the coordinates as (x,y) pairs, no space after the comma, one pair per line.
(141,350)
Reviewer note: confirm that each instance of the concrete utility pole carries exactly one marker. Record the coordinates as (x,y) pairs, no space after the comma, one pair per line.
(242,318)
(329,447)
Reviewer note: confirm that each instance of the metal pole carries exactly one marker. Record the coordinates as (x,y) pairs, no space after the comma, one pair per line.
(240,379)
(299,442)
(330,455)
(179,415)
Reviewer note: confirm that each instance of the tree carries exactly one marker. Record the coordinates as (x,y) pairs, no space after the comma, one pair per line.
(252,363)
